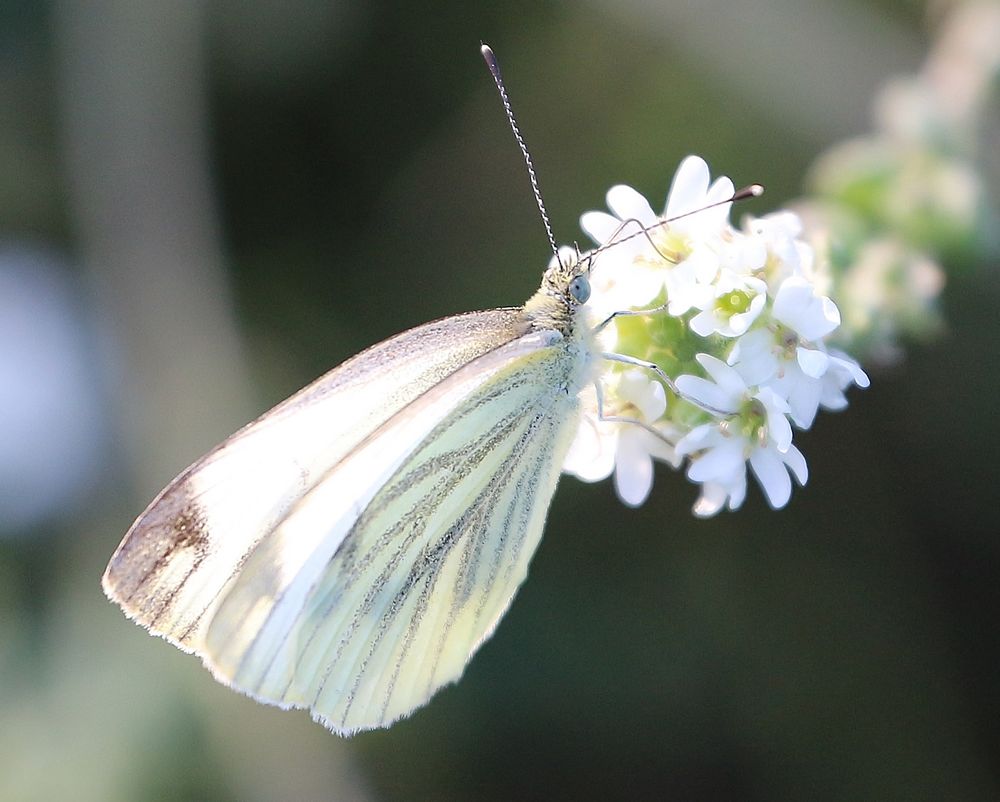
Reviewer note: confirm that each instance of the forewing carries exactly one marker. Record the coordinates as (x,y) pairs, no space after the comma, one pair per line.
(369,623)
(178,557)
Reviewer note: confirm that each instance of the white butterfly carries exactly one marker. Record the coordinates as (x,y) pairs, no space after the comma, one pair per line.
(351,549)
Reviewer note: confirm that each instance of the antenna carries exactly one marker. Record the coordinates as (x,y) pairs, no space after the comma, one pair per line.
(491,62)
(751,191)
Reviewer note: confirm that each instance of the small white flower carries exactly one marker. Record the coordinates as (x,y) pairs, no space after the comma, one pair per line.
(625,448)
(786,255)
(631,213)
(752,427)
(789,356)
(801,391)
(694,282)
(802,317)
(721,470)
(809,315)
(735,304)
(633,272)
(727,395)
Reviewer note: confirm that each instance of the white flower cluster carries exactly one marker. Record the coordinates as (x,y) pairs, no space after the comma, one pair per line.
(736,317)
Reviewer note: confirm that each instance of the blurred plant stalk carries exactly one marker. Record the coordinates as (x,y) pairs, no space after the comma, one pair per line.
(133,100)
(892,212)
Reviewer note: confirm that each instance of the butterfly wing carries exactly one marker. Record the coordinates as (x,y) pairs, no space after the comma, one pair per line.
(362,613)
(175,562)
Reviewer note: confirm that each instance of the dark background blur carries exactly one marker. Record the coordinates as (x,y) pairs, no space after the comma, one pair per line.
(204,206)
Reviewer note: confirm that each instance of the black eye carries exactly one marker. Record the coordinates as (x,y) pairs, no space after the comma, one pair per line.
(579,288)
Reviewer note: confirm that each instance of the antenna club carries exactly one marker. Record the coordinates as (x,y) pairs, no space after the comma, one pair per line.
(489,58)
(752,191)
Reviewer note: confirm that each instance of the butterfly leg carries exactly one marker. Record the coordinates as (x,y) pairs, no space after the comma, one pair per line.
(629,313)
(652,366)
(623,418)
(646,365)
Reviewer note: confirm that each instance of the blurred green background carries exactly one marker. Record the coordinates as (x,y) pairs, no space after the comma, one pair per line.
(203,206)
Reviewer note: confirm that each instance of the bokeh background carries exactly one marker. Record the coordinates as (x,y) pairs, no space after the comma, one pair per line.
(203,206)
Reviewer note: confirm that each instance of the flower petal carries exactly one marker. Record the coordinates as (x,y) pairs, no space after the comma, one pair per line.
(687,190)
(628,204)
(852,368)
(704,323)
(697,439)
(738,490)
(753,356)
(591,455)
(804,399)
(778,428)
(772,476)
(797,463)
(705,393)
(633,468)
(725,376)
(712,499)
(645,394)
(599,226)
(812,361)
(722,461)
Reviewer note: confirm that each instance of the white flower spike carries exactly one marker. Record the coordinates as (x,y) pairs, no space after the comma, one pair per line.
(748,307)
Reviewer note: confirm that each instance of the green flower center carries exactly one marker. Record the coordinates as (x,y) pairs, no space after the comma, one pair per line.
(750,421)
(734,302)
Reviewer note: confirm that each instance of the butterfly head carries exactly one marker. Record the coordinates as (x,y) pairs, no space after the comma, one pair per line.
(565,289)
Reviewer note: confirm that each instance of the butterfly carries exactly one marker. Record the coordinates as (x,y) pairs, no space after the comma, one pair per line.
(351,549)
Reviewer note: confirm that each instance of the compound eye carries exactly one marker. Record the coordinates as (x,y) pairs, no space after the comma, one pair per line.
(579,288)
